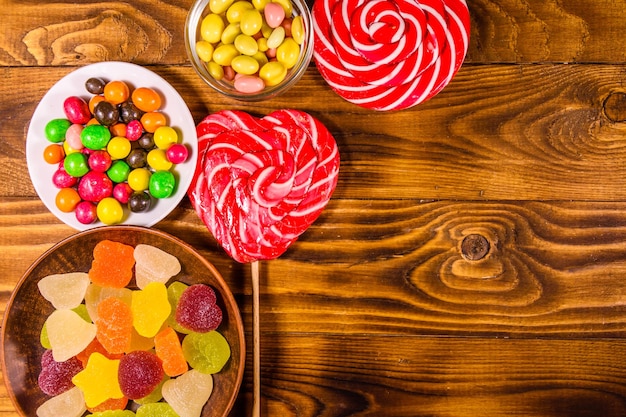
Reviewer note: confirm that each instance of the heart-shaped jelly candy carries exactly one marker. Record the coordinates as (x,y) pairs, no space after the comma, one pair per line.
(261,182)
(197,309)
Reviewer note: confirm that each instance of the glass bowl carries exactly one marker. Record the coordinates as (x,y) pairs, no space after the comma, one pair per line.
(200,9)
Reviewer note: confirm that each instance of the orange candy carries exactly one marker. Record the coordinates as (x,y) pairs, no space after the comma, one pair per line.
(168,349)
(110,404)
(53,154)
(152,120)
(112,265)
(146,99)
(67,199)
(95,346)
(118,129)
(116,92)
(114,326)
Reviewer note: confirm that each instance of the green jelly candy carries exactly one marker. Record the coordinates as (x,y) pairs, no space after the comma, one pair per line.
(95,137)
(76,164)
(206,352)
(162,184)
(55,130)
(174,291)
(155,396)
(113,413)
(118,172)
(156,410)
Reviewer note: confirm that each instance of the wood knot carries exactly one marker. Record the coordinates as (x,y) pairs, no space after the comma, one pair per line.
(615,106)
(474,247)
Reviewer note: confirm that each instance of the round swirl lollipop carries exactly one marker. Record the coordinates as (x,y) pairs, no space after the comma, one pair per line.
(389,55)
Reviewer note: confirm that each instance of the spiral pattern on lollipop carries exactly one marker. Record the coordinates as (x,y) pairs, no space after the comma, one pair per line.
(260,183)
(389,55)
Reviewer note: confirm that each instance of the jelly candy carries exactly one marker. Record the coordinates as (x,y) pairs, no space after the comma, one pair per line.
(81,310)
(206,352)
(150,308)
(197,309)
(188,393)
(98,381)
(113,413)
(174,291)
(64,291)
(68,334)
(69,404)
(95,294)
(115,274)
(155,396)
(56,377)
(169,350)
(114,325)
(140,372)
(110,407)
(139,342)
(154,264)
(95,346)
(156,410)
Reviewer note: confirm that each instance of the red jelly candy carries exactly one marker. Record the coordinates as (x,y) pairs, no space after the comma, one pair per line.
(197,309)
(56,377)
(139,373)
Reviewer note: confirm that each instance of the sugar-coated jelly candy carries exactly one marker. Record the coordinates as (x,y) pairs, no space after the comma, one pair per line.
(110,407)
(113,413)
(98,381)
(69,404)
(153,264)
(95,346)
(81,310)
(56,377)
(139,342)
(55,129)
(206,352)
(150,308)
(114,325)
(188,393)
(140,372)
(197,309)
(68,333)
(64,291)
(156,395)
(96,293)
(156,409)
(116,274)
(174,291)
(169,350)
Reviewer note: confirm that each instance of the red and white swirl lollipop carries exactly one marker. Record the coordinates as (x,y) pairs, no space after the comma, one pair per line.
(389,55)
(260,183)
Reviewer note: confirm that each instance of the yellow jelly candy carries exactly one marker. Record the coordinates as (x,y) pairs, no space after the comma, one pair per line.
(297,30)
(235,11)
(204,50)
(273,73)
(150,307)
(251,22)
(98,381)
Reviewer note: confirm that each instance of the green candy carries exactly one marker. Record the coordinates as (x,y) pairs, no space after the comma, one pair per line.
(174,291)
(162,184)
(113,413)
(95,137)
(156,410)
(206,352)
(118,172)
(55,130)
(76,164)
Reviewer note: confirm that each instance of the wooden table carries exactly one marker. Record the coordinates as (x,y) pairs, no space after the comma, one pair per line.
(387,306)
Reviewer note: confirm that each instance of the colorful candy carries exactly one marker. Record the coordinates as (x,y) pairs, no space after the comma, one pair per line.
(71,403)
(169,350)
(114,325)
(99,380)
(206,352)
(140,372)
(64,291)
(188,393)
(234,33)
(115,274)
(56,377)
(150,308)
(154,265)
(197,309)
(68,334)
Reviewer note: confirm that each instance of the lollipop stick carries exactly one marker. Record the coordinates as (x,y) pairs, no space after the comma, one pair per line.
(256,405)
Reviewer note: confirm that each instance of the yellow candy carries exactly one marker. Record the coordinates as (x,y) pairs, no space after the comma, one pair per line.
(297,30)
(261,58)
(164,137)
(68,149)
(211,28)
(215,70)
(204,50)
(230,33)
(139,179)
(150,307)
(98,381)
(273,73)
(118,147)
(224,54)
(259,4)
(287,6)
(219,6)
(234,12)
(251,22)
(262,44)
(246,44)
(244,64)
(276,38)
(288,53)
(266,30)
(157,159)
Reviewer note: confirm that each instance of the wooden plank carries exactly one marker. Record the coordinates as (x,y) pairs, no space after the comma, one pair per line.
(497,132)
(398,267)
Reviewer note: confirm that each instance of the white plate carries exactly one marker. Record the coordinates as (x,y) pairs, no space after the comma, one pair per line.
(73,84)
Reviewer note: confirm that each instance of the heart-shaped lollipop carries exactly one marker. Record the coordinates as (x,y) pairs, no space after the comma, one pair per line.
(261,182)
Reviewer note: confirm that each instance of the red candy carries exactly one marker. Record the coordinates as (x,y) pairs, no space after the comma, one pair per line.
(56,377)
(139,373)
(94,186)
(197,310)
(76,110)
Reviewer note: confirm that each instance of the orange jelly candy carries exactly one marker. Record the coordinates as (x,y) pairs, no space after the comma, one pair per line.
(95,346)
(110,404)
(112,264)
(168,349)
(114,326)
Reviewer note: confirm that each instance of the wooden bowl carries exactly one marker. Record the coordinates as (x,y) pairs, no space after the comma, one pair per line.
(27,311)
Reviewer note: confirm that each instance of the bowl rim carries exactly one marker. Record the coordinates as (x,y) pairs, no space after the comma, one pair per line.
(227,295)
